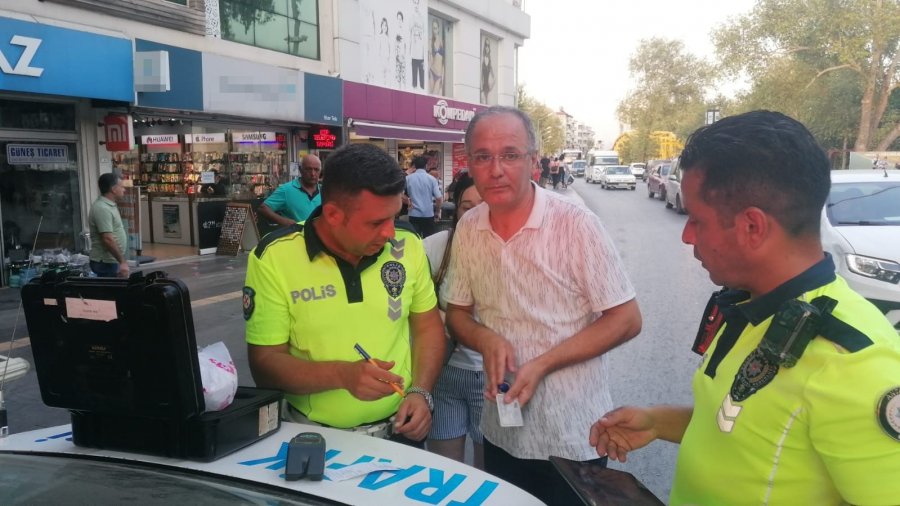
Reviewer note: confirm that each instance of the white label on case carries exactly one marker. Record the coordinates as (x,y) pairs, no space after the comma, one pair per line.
(91,309)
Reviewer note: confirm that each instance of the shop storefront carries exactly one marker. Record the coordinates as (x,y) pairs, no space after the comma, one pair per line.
(209,130)
(409,124)
(47,144)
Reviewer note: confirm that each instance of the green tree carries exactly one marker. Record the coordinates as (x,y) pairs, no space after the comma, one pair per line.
(548,127)
(831,63)
(245,13)
(670,94)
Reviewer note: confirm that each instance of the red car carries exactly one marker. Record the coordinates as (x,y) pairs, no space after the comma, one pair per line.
(658,174)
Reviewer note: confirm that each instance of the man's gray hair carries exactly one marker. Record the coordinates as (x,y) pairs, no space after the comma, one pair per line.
(497,110)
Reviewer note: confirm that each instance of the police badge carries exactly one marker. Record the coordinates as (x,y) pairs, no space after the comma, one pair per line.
(247,302)
(889,413)
(756,372)
(393,275)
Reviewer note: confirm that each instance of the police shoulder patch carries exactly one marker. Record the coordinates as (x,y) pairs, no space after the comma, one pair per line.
(248,304)
(888,413)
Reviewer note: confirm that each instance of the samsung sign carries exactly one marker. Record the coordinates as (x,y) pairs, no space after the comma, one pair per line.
(38,58)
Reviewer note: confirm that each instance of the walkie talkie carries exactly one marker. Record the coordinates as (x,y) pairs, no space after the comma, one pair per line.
(305,457)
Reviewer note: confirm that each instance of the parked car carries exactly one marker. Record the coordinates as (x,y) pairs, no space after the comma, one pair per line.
(617,176)
(656,179)
(578,167)
(638,170)
(672,195)
(861,230)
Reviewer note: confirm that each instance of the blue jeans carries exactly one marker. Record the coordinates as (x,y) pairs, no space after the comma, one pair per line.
(104,269)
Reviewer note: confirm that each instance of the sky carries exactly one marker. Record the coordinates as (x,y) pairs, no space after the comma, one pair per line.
(577,56)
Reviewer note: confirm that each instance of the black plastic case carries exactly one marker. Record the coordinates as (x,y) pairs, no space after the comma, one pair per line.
(127,368)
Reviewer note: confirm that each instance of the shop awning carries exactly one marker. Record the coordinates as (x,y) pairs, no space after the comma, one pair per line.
(386,131)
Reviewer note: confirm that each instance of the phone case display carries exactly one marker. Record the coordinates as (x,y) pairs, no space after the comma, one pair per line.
(256,173)
(127,165)
(169,172)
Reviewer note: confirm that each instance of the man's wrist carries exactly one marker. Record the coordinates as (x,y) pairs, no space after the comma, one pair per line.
(429,400)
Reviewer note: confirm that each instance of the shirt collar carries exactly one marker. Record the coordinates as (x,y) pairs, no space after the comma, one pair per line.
(759,309)
(107,201)
(535,218)
(298,185)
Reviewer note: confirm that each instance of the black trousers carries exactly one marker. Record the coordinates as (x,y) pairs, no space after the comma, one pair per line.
(424,226)
(537,477)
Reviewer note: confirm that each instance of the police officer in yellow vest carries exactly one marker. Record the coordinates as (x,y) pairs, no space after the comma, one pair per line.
(347,276)
(797,397)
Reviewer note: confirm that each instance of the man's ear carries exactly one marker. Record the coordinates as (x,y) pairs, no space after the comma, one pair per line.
(755,226)
(333,213)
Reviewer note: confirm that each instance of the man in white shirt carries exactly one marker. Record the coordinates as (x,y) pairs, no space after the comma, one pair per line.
(544,320)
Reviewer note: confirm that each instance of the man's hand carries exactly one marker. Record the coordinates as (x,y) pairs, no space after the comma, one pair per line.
(623,430)
(499,357)
(124,270)
(528,379)
(368,382)
(413,419)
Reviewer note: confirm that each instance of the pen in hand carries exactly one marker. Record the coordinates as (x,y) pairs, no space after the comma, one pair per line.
(368,359)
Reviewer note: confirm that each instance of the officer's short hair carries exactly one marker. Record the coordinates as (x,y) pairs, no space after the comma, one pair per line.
(761,159)
(353,168)
(106,182)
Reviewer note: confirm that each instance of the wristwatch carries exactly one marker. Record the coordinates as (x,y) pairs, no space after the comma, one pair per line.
(424,393)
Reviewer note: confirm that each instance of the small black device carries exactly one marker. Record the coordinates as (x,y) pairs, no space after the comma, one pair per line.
(305,457)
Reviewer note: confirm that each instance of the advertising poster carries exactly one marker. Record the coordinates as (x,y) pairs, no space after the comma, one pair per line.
(488,70)
(171,221)
(460,162)
(393,40)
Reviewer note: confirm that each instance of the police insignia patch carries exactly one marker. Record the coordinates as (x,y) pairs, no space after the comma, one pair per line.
(756,372)
(888,412)
(393,275)
(247,302)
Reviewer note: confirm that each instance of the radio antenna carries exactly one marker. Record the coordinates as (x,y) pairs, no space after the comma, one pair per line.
(4,419)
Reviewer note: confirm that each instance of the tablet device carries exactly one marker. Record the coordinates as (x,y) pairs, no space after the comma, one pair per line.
(598,485)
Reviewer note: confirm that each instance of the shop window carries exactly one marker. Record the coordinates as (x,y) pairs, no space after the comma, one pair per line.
(15,114)
(287,26)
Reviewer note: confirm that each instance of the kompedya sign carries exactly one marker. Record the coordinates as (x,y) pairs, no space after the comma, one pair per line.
(443,113)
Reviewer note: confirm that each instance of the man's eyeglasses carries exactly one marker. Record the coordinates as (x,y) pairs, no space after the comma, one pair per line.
(507,159)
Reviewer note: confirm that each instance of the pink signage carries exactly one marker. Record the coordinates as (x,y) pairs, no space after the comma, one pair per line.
(373,103)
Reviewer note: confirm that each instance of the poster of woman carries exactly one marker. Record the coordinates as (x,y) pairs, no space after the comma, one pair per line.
(488,70)
(437,50)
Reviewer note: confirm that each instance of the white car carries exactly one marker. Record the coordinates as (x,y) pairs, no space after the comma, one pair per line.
(672,195)
(617,176)
(861,230)
(638,169)
(592,174)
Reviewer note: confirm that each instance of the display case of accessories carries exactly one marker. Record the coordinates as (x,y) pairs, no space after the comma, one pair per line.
(127,164)
(256,174)
(169,173)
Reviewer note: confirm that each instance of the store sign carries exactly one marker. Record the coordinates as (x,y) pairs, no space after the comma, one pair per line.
(205,138)
(24,154)
(46,59)
(159,140)
(119,132)
(443,113)
(252,89)
(324,138)
(254,137)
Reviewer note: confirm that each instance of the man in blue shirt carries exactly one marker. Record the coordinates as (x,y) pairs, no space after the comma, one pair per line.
(295,200)
(424,195)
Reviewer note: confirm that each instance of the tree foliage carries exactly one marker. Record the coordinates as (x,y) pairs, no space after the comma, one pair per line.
(547,125)
(244,12)
(669,95)
(833,64)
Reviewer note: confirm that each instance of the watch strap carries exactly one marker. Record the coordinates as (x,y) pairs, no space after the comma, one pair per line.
(424,393)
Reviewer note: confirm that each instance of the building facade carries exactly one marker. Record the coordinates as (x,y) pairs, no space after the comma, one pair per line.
(171,93)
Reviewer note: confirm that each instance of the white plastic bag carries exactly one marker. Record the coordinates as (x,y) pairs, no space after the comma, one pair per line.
(218,375)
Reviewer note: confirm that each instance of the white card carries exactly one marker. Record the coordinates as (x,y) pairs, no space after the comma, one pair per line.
(510,414)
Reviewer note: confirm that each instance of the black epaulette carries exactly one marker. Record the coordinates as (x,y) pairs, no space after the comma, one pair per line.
(843,334)
(405,225)
(275,235)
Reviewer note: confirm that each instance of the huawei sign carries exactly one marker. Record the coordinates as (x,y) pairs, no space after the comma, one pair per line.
(443,113)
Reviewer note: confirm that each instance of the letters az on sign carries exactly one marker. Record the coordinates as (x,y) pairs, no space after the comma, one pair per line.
(23,65)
